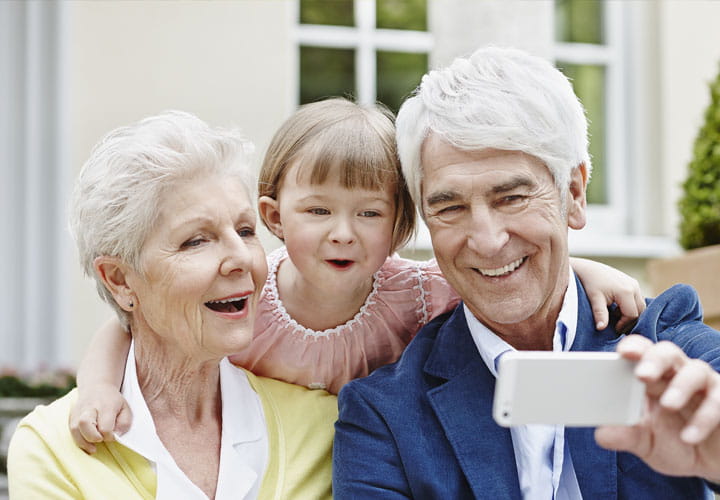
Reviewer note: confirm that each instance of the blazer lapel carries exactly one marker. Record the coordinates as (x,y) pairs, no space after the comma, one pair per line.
(463,405)
(595,467)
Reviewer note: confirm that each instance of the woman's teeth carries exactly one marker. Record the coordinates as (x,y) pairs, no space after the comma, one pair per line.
(227,305)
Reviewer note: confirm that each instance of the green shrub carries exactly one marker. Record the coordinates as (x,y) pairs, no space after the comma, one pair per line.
(44,385)
(700,204)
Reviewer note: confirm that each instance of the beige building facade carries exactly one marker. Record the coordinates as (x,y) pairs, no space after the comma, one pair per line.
(73,70)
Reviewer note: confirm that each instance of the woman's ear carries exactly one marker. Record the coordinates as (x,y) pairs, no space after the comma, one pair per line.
(269,209)
(577,202)
(113,273)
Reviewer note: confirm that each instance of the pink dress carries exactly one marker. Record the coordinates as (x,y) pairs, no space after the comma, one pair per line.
(406,295)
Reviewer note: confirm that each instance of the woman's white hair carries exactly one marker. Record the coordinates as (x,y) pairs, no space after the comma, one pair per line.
(115,201)
(497,98)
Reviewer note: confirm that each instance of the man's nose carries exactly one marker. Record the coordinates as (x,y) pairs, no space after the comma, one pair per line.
(487,233)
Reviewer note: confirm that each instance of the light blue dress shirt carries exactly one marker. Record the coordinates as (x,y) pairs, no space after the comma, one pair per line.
(543,460)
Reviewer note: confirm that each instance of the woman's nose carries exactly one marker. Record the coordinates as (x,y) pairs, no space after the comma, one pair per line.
(237,256)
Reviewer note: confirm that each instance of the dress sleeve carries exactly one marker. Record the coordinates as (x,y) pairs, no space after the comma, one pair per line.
(366,461)
(440,297)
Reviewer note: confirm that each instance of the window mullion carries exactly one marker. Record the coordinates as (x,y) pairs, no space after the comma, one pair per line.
(365,63)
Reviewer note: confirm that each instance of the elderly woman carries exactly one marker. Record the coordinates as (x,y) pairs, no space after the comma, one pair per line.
(164,221)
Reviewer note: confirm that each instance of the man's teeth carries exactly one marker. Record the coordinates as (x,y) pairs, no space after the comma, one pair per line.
(502,270)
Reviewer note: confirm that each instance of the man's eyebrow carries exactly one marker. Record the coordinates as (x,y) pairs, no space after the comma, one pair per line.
(513,183)
(441,197)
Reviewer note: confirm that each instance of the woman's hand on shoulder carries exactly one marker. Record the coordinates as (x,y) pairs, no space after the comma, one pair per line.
(98,412)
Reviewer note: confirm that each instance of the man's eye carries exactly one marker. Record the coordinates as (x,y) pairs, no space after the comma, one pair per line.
(513,199)
(449,210)
(319,211)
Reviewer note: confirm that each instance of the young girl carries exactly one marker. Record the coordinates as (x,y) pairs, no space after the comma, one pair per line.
(338,302)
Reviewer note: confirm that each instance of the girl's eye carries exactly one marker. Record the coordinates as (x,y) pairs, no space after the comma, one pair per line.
(370,213)
(319,211)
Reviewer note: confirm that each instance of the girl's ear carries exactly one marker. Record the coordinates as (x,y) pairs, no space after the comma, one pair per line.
(113,273)
(270,212)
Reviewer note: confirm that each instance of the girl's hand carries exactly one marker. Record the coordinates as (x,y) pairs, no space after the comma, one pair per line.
(98,412)
(680,433)
(606,285)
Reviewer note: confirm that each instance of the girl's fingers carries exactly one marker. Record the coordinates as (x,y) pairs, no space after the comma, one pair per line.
(599,305)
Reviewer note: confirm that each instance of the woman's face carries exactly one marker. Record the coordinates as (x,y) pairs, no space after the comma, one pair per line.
(201,270)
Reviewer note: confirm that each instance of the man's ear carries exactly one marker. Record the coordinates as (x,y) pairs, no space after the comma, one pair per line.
(114,273)
(270,212)
(577,202)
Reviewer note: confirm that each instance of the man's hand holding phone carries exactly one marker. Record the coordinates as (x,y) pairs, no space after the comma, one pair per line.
(679,434)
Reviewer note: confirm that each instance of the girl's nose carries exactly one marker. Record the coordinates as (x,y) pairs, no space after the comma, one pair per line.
(342,231)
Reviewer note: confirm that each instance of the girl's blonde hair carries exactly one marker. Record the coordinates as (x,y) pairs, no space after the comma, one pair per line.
(338,136)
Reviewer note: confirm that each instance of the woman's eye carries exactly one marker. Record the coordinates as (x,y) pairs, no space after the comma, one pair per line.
(319,211)
(246,232)
(192,243)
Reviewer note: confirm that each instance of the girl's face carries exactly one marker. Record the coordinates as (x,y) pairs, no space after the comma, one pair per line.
(337,238)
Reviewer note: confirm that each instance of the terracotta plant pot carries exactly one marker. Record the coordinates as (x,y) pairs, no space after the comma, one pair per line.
(699,268)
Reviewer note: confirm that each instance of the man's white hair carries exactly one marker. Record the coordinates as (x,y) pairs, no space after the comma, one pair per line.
(497,98)
(115,201)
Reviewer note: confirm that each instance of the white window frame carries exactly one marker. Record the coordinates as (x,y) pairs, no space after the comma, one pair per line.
(365,39)
(611,217)
(610,230)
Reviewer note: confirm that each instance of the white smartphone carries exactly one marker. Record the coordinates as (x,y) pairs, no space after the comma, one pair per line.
(575,389)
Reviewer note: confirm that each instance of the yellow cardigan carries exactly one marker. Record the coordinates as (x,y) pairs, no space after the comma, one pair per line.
(44,462)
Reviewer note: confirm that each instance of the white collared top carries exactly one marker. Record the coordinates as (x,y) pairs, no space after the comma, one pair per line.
(243,445)
(543,460)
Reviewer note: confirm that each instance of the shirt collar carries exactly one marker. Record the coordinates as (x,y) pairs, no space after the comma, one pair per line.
(243,424)
(491,347)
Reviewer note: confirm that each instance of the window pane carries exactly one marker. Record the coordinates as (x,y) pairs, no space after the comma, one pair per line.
(579,21)
(401,14)
(335,12)
(398,73)
(326,72)
(589,84)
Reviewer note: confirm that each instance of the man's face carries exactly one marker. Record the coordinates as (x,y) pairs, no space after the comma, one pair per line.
(499,231)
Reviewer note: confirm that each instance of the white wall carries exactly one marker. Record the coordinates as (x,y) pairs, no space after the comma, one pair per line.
(227,62)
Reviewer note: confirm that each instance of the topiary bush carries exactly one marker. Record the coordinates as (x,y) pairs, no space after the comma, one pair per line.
(700,203)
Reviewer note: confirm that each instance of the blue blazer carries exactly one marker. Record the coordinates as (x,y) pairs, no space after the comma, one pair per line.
(423,428)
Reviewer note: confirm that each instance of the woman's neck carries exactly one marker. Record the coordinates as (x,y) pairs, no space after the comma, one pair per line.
(174,384)
(314,307)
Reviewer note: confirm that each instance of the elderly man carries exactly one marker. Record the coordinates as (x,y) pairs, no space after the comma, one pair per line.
(494,149)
